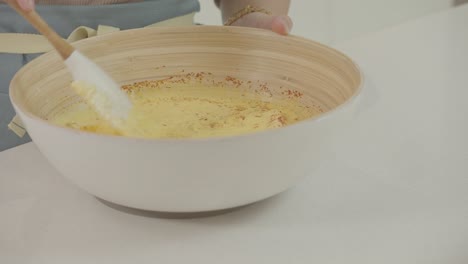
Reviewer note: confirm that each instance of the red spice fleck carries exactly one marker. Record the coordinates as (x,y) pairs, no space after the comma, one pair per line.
(234,81)
(292,93)
(282,120)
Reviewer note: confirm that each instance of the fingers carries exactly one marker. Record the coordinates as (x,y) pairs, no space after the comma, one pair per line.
(282,25)
(279,24)
(26,5)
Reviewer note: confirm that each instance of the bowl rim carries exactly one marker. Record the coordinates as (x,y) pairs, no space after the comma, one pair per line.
(314,119)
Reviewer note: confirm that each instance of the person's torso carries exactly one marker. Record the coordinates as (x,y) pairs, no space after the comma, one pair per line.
(84,2)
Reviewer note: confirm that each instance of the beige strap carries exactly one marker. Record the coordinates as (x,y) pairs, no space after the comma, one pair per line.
(180,21)
(17,43)
(16,125)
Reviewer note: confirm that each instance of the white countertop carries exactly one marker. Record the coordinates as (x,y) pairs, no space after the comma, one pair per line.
(395,192)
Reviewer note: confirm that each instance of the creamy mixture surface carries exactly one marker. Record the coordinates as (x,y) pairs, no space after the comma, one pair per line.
(191,110)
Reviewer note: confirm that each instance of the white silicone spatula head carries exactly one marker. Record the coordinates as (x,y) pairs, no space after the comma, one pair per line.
(100,91)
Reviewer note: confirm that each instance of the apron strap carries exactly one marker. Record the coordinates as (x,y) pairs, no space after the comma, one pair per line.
(21,43)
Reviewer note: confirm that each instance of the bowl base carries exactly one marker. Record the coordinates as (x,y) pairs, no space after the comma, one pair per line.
(169,215)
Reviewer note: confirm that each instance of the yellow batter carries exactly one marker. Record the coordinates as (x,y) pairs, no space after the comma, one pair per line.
(182,110)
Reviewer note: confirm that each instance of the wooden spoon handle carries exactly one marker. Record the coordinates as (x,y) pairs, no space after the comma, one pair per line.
(63,47)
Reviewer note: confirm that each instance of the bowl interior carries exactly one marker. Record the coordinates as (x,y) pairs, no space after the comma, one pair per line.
(278,66)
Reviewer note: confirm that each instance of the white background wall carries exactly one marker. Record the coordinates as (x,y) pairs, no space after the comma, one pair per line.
(338,20)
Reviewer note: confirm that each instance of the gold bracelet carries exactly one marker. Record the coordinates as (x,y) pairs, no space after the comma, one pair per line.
(243,12)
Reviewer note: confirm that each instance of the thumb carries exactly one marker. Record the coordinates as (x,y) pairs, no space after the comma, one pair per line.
(280,24)
(26,5)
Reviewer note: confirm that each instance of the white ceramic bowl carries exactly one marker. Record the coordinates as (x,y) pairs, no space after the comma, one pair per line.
(192,175)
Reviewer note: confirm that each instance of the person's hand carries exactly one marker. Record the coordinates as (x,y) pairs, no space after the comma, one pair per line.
(279,24)
(26,5)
